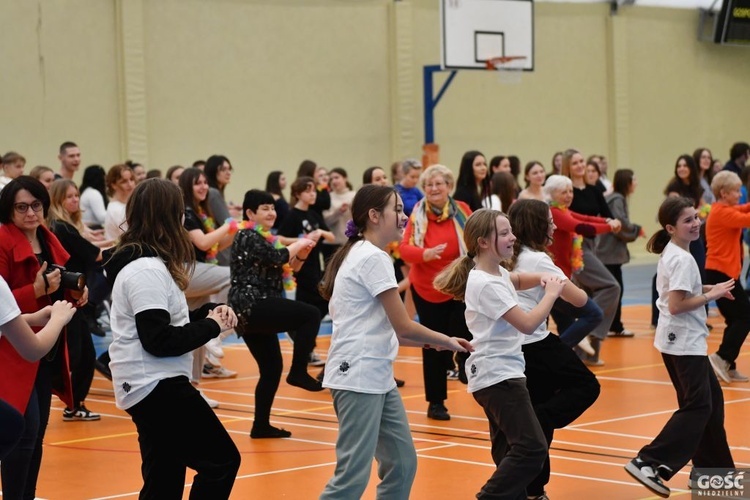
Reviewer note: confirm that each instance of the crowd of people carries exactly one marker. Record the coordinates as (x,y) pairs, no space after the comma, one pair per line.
(172,268)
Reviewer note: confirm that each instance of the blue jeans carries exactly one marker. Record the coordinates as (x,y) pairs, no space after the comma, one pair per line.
(575,323)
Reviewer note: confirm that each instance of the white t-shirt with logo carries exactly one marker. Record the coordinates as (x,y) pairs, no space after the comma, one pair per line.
(680,334)
(497,352)
(363,343)
(531,261)
(142,285)
(8,307)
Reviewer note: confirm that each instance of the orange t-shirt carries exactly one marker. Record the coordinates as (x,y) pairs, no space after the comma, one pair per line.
(723,231)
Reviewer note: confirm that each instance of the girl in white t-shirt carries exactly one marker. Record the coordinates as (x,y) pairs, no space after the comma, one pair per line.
(560,385)
(14,328)
(695,431)
(496,367)
(153,336)
(369,323)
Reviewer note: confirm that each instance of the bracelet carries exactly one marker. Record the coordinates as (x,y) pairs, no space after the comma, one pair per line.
(705,298)
(233,226)
(301,260)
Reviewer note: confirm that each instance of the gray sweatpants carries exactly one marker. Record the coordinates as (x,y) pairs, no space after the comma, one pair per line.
(600,285)
(371,425)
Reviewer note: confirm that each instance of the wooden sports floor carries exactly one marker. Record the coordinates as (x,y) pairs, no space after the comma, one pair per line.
(87,460)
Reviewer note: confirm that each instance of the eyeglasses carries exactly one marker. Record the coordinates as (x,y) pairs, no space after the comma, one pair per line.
(22,208)
(435,185)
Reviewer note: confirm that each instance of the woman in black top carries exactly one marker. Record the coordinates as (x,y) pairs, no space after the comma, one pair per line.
(64,220)
(473,184)
(595,278)
(261,268)
(275,185)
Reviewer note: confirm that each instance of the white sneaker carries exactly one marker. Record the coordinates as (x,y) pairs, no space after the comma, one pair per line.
(213,347)
(623,333)
(210,371)
(585,346)
(211,402)
(721,367)
(736,376)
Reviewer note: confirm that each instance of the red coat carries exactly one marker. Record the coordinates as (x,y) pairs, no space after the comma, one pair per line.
(19,265)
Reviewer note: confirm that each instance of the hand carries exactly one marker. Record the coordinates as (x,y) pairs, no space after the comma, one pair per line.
(46,283)
(344,208)
(615,224)
(82,296)
(548,276)
(720,290)
(38,318)
(224,317)
(435,252)
(315,235)
(62,309)
(554,285)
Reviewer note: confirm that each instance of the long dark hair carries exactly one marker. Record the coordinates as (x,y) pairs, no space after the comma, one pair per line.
(466,179)
(94,177)
(272,183)
(369,197)
(530,222)
(669,213)
(211,169)
(188,179)
(693,189)
(504,187)
(154,216)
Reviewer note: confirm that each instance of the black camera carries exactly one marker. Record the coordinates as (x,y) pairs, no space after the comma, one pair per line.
(69,279)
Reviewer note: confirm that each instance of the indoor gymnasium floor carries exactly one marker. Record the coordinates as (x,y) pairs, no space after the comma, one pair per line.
(87,460)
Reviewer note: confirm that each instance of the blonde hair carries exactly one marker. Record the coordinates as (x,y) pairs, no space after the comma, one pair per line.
(58,191)
(567,157)
(452,280)
(724,180)
(434,170)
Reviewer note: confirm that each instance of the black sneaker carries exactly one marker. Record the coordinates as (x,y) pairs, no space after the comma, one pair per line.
(648,476)
(438,411)
(81,413)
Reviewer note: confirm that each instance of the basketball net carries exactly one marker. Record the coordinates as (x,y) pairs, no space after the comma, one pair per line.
(506,74)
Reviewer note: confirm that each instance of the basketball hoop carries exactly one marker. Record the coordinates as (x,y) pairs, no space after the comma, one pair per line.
(506,72)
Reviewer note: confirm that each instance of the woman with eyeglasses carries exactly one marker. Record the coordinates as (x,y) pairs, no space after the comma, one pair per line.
(432,240)
(28,252)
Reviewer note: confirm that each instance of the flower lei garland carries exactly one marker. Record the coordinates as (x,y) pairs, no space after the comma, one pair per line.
(576,254)
(287,276)
(209,224)
(704,210)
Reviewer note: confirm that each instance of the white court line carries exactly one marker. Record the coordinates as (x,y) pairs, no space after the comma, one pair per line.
(661,382)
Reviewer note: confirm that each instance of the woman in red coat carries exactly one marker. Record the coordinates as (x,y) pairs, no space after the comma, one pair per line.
(27,251)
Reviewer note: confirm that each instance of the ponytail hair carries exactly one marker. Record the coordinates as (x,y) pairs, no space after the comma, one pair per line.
(369,197)
(452,280)
(669,213)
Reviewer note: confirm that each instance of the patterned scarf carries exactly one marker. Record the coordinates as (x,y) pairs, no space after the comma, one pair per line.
(576,255)
(451,210)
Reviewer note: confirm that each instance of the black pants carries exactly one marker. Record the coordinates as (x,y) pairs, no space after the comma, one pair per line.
(11,428)
(259,331)
(82,356)
(176,430)
(20,469)
(696,430)
(518,444)
(616,270)
(448,318)
(561,388)
(736,315)
(313,298)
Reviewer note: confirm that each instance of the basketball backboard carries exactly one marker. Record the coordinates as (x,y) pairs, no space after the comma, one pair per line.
(475,31)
